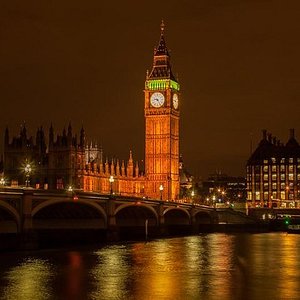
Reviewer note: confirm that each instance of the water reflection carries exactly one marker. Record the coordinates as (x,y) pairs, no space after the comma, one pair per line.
(211,266)
(29,280)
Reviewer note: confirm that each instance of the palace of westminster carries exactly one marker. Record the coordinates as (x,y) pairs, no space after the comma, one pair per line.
(272,171)
(66,160)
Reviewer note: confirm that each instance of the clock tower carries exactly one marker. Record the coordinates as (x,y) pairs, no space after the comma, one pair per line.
(162,102)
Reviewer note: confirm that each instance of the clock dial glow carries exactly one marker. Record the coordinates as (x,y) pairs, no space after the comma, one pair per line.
(175,101)
(157,99)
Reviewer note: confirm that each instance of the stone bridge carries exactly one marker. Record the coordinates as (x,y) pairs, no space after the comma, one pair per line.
(29,210)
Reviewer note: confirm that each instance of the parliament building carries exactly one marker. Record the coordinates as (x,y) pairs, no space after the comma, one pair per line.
(67,161)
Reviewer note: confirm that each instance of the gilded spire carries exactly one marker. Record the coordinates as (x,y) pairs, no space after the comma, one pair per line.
(161,62)
(162,27)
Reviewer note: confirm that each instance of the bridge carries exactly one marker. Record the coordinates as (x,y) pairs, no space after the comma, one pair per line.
(24,210)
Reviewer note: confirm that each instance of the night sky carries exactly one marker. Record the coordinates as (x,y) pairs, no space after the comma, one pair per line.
(238,64)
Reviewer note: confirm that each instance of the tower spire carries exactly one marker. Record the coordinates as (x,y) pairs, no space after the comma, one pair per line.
(162,27)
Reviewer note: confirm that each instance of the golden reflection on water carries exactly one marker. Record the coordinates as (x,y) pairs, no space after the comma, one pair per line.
(209,266)
(110,274)
(29,280)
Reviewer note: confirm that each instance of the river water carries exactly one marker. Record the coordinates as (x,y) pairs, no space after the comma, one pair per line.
(209,266)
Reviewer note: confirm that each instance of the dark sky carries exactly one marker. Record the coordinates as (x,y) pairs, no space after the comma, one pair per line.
(85,61)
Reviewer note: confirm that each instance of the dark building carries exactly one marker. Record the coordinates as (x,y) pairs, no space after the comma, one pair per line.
(273,173)
(221,188)
(55,166)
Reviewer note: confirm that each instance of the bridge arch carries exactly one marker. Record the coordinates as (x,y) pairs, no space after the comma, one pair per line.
(177,215)
(203,217)
(66,214)
(185,211)
(127,205)
(79,201)
(133,220)
(12,212)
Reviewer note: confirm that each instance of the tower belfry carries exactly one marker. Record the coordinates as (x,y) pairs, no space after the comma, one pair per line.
(162,125)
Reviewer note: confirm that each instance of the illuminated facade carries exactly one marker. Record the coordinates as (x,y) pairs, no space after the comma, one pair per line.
(162,125)
(273,173)
(67,162)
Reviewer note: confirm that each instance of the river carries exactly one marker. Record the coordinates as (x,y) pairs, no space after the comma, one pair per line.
(208,266)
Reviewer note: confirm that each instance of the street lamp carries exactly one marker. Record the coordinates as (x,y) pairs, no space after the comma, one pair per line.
(161,188)
(111,181)
(27,171)
(193,194)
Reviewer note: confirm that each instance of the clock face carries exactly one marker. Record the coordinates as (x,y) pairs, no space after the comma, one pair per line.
(175,101)
(157,99)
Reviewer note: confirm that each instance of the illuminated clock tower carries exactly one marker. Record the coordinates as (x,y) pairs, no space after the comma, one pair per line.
(162,101)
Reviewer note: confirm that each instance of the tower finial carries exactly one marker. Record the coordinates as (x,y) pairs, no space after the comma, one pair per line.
(162,27)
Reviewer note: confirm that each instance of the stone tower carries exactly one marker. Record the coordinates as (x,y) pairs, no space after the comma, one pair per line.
(162,101)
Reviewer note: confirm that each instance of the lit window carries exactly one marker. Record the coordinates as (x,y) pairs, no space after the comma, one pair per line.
(249,195)
(291,176)
(282,161)
(273,160)
(274,177)
(266,177)
(266,195)
(266,169)
(273,168)
(282,168)
(282,186)
(282,195)
(274,186)
(265,161)
(298,176)
(291,168)
(257,196)
(274,195)
(291,160)
(282,177)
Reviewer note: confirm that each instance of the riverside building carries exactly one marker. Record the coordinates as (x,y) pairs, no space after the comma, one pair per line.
(273,173)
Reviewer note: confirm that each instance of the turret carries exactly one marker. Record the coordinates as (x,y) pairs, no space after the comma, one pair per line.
(137,169)
(69,136)
(51,136)
(82,138)
(130,165)
(118,168)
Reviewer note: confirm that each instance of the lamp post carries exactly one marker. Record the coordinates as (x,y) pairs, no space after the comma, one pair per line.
(27,170)
(192,194)
(161,188)
(111,181)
